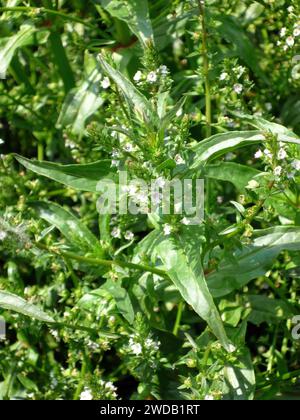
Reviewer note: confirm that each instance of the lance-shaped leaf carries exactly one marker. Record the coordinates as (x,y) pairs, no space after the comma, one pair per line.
(220,144)
(267,126)
(69,225)
(240,377)
(238,175)
(181,258)
(135,13)
(252,261)
(81,103)
(136,99)
(17,304)
(79,177)
(8,50)
(121,298)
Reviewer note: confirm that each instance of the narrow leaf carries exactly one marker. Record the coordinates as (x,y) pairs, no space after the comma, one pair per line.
(17,304)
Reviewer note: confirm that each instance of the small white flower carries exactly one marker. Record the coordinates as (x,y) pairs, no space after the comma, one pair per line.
(105,83)
(129,235)
(142,197)
(290,41)
(252,185)
(282,32)
(238,88)
(128,147)
(282,154)
(1,141)
(135,348)
(179,160)
(240,71)
(258,154)
(220,199)
(185,221)
(131,189)
(290,9)
(268,153)
(223,76)
(268,106)
(86,395)
(208,398)
(138,76)
(3,235)
(278,171)
(296,164)
(164,70)
(296,32)
(151,344)
(152,77)
(116,233)
(115,153)
(167,229)
(115,163)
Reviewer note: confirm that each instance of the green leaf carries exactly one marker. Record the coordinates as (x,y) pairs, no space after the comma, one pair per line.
(81,103)
(240,377)
(265,309)
(136,99)
(79,177)
(17,304)
(252,261)
(135,13)
(221,144)
(238,175)
(71,227)
(267,126)
(181,258)
(18,40)
(122,299)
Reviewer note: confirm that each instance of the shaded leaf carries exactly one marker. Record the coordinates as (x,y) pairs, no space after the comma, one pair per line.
(252,260)
(79,177)
(121,298)
(135,13)
(17,304)
(81,103)
(71,227)
(185,270)
(18,40)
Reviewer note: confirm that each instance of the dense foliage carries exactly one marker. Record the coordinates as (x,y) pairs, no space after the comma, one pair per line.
(149,306)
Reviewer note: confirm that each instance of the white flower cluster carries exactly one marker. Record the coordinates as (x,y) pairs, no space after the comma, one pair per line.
(86,394)
(109,389)
(3,235)
(289,41)
(151,77)
(149,345)
(117,234)
(282,155)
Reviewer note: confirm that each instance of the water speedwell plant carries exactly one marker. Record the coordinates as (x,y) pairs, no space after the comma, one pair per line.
(149,213)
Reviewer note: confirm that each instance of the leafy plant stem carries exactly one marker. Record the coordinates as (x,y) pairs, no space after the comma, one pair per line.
(178,318)
(82,378)
(38,10)
(105,263)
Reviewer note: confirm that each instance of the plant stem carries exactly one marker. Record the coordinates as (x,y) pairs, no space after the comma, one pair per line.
(105,263)
(38,10)
(178,318)
(80,386)
(204,52)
